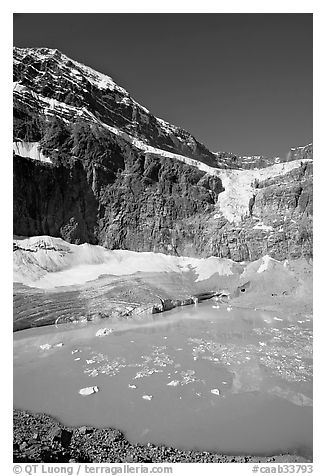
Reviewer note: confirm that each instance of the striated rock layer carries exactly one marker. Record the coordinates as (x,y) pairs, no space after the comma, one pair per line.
(92,165)
(57,282)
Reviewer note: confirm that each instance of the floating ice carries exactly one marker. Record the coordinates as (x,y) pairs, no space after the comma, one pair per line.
(215,391)
(45,346)
(173,383)
(147,397)
(104,332)
(88,390)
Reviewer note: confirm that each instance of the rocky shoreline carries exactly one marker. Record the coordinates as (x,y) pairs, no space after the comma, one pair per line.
(39,438)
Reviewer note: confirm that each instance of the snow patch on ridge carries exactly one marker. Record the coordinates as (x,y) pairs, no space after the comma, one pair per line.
(31,150)
(266,261)
(99,80)
(261,226)
(301,146)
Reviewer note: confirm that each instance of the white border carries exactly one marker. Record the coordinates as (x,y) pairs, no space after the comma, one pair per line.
(168,6)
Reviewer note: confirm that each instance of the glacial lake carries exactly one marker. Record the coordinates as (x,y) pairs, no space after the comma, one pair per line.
(236,382)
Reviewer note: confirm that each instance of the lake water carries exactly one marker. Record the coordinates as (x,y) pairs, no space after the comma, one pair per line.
(235,382)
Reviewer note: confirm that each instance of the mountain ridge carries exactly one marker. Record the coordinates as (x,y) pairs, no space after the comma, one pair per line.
(117,109)
(103,81)
(108,172)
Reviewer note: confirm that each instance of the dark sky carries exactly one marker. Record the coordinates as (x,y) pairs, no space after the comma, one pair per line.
(238,82)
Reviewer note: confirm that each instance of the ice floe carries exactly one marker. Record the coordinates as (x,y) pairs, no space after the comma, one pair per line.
(215,391)
(173,383)
(104,332)
(51,346)
(88,390)
(147,397)
(45,346)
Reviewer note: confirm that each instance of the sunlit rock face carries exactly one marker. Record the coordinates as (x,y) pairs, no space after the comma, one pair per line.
(92,165)
(48,82)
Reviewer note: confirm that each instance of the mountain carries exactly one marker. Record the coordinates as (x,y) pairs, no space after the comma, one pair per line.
(91,165)
(229,160)
(48,82)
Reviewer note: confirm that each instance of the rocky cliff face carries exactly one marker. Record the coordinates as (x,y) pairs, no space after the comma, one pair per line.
(92,165)
(228,160)
(48,83)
